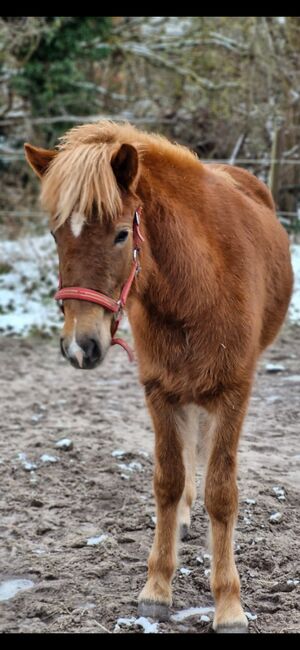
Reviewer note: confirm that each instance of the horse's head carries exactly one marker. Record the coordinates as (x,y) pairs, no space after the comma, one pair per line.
(90,196)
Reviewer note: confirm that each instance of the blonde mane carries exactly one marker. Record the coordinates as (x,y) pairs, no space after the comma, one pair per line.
(81,178)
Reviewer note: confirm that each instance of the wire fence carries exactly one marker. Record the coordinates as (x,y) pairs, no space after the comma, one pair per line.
(19,155)
(284,216)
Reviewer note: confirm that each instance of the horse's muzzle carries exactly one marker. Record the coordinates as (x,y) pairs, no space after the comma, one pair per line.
(84,353)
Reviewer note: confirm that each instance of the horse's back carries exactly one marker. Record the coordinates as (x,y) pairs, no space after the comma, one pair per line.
(268,254)
(247,183)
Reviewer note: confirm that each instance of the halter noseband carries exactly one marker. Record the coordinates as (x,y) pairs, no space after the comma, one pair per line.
(116,306)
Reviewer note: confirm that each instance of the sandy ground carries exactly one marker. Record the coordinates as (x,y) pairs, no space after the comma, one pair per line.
(49,512)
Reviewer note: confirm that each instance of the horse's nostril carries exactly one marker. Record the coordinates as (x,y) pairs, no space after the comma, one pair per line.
(92,352)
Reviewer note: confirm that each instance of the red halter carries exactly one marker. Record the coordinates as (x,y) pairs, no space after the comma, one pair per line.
(116,306)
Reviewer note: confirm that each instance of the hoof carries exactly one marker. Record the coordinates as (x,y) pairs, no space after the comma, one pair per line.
(155,610)
(232,629)
(184,532)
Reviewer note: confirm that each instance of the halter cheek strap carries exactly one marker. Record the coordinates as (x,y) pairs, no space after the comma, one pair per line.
(116,306)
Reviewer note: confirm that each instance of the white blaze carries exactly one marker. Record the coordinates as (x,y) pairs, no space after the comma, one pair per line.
(77,223)
(74,349)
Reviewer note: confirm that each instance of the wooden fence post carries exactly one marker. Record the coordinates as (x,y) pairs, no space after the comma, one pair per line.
(276,152)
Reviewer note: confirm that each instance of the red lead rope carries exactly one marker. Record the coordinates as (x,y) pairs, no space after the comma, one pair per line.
(116,306)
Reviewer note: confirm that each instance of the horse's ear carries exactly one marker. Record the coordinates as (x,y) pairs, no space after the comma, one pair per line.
(125,164)
(38,159)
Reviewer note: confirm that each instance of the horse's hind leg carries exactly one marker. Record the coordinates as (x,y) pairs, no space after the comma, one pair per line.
(221,501)
(169,476)
(188,427)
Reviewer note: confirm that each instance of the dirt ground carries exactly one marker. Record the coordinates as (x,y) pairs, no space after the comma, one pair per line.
(49,512)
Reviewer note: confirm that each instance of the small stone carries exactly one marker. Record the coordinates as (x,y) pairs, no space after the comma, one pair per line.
(65,444)
(29,467)
(185,571)
(46,458)
(274,368)
(36,503)
(275,517)
(44,528)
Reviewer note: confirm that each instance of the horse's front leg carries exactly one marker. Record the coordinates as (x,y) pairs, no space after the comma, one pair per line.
(187,421)
(169,480)
(221,501)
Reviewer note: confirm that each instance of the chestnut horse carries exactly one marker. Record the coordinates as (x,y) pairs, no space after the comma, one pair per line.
(213,289)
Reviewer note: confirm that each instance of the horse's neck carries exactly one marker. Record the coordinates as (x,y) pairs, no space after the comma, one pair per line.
(179,272)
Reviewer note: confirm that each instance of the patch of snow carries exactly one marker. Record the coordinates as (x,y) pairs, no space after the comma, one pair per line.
(154,519)
(192,611)
(142,621)
(207,572)
(251,502)
(26,292)
(199,559)
(292,378)
(273,398)
(10,588)
(293,582)
(118,453)
(206,556)
(28,466)
(131,466)
(294,309)
(148,627)
(136,465)
(204,618)
(251,617)
(39,551)
(184,571)
(37,417)
(45,458)
(125,476)
(94,541)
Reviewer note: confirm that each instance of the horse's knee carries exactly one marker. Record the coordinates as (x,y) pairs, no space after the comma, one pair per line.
(169,483)
(221,498)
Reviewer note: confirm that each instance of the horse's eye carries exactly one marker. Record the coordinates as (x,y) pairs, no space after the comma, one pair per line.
(121,237)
